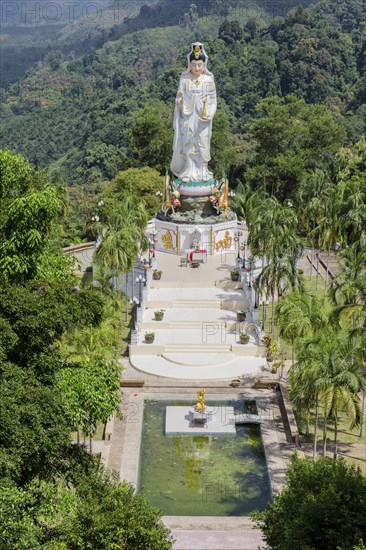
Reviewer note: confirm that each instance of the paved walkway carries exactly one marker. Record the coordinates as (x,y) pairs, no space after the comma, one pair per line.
(217,540)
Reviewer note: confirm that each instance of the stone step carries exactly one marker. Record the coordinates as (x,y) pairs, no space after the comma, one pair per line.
(197,348)
(197,324)
(197,304)
(183,284)
(199,359)
(200,324)
(188,325)
(232,285)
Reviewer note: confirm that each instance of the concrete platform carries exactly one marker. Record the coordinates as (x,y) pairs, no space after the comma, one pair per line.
(217,540)
(158,366)
(193,293)
(179,420)
(207,333)
(199,359)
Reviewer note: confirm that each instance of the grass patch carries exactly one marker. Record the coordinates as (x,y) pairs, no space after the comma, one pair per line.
(345,434)
(311,287)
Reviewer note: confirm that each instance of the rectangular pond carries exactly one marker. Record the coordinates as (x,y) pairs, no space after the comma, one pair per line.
(203,475)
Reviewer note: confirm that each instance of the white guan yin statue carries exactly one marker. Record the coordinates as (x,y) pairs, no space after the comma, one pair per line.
(194,110)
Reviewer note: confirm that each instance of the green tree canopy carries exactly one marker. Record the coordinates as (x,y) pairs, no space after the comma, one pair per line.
(91,393)
(34,433)
(29,210)
(291,138)
(140,182)
(38,313)
(150,136)
(87,509)
(322,507)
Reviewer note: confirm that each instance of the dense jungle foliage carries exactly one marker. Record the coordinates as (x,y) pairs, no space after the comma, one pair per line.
(60,341)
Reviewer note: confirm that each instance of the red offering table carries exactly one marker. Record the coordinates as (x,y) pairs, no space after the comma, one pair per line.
(198,255)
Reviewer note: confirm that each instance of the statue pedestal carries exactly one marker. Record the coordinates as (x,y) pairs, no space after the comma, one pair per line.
(179,420)
(194,188)
(199,418)
(212,239)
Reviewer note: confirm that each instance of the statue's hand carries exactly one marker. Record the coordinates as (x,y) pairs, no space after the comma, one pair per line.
(180,100)
(205,118)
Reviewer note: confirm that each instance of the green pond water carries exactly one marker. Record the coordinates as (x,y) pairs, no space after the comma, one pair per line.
(203,475)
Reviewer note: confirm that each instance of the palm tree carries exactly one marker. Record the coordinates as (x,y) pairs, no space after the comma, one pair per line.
(270,221)
(310,207)
(328,228)
(341,381)
(348,294)
(102,281)
(327,372)
(352,194)
(305,391)
(273,237)
(246,200)
(276,278)
(347,290)
(121,235)
(299,315)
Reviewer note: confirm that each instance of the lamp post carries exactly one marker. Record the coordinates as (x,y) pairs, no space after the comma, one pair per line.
(139,280)
(264,312)
(134,304)
(244,246)
(237,236)
(150,251)
(283,358)
(250,274)
(152,241)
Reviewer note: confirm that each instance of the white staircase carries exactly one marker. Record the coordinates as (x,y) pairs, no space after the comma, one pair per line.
(199,335)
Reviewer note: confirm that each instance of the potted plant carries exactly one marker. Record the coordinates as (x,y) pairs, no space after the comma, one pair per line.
(235,274)
(272,351)
(244,337)
(159,314)
(275,367)
(149,337)
(157,274)
(241,315)
(266,340)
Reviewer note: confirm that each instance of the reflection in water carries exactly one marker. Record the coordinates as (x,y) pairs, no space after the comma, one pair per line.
(193,451)
(221,474)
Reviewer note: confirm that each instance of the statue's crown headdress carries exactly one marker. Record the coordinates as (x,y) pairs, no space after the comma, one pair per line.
(197,50)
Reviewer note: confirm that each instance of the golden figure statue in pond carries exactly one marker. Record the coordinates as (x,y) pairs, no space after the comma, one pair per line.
(200,406)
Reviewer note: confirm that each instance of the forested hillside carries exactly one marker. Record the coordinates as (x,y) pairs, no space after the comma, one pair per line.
(36,31)
(82,117)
